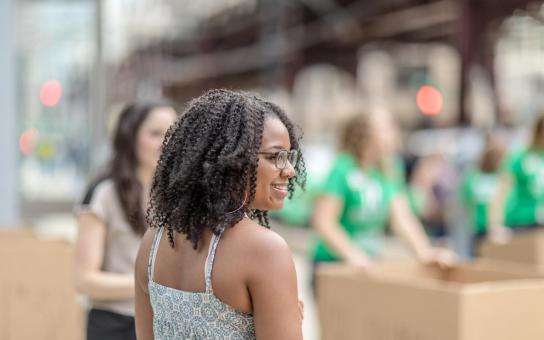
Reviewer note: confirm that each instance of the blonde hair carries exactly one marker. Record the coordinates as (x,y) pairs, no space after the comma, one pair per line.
(493,153)
(355,138)
(538,131)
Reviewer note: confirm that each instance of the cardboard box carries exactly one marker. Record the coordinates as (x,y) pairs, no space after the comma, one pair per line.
(414,302)
(9,234)
(527,247)
(37,298)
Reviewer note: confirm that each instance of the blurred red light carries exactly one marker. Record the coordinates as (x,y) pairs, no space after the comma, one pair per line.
(28,141)
(429,100)
(50,93)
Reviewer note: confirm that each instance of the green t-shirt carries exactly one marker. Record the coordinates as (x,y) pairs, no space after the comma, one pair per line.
(477,191)
(366,197)
(526,201)
(398,174)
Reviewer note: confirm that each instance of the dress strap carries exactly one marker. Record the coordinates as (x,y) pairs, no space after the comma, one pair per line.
(208,267)
(153,253)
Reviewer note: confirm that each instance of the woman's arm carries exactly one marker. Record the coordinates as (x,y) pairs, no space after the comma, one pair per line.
(272,284)
(325,219)
(407,226)
(89,253)
(144,312)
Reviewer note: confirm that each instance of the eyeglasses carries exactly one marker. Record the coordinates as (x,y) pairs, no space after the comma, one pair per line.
(281,158)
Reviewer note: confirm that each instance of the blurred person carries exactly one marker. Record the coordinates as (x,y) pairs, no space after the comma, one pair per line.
(426,181)
(480,185)
(209,267)
(360,197)
(519,203)
(111,220)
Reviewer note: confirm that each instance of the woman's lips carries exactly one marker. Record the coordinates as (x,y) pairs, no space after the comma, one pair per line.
(281,189)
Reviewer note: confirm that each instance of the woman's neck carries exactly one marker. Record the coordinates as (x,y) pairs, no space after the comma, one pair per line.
(366,161)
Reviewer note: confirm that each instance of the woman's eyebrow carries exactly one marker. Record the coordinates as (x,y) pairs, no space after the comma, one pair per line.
(276,147)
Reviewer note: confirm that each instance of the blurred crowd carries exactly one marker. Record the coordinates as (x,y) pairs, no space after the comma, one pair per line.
(478,181)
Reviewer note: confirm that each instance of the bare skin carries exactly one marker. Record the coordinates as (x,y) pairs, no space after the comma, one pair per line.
(245,277)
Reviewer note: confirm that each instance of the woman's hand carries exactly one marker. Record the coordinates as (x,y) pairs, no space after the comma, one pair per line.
(442,257)
(499,234)
(357,259)
(406,225)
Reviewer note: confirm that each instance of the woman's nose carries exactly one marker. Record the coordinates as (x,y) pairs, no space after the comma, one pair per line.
(289,170)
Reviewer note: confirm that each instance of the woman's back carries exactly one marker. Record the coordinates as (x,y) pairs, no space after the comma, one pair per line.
(252,285)
(182,289)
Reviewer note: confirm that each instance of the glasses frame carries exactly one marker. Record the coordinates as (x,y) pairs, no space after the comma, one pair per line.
(288,159)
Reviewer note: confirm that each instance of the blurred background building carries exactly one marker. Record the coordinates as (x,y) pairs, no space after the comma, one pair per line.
(70,64)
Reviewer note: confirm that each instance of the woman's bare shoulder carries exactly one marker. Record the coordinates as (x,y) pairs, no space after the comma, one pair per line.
(256,239)
(258,251)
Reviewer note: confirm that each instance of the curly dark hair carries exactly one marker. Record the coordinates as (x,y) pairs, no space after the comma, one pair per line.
(207,171)
(124,162)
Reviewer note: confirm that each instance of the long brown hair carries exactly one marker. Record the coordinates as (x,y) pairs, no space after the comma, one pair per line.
(124,162)
(538,132)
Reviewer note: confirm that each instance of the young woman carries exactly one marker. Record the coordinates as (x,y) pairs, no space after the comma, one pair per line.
(208,269)
(111,221)
(361,196)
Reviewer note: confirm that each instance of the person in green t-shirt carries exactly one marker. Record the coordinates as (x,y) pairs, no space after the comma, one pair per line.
(361,196)
(480,185)
(521,190)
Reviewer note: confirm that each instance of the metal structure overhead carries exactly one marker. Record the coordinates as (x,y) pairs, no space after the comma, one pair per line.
(270,44)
